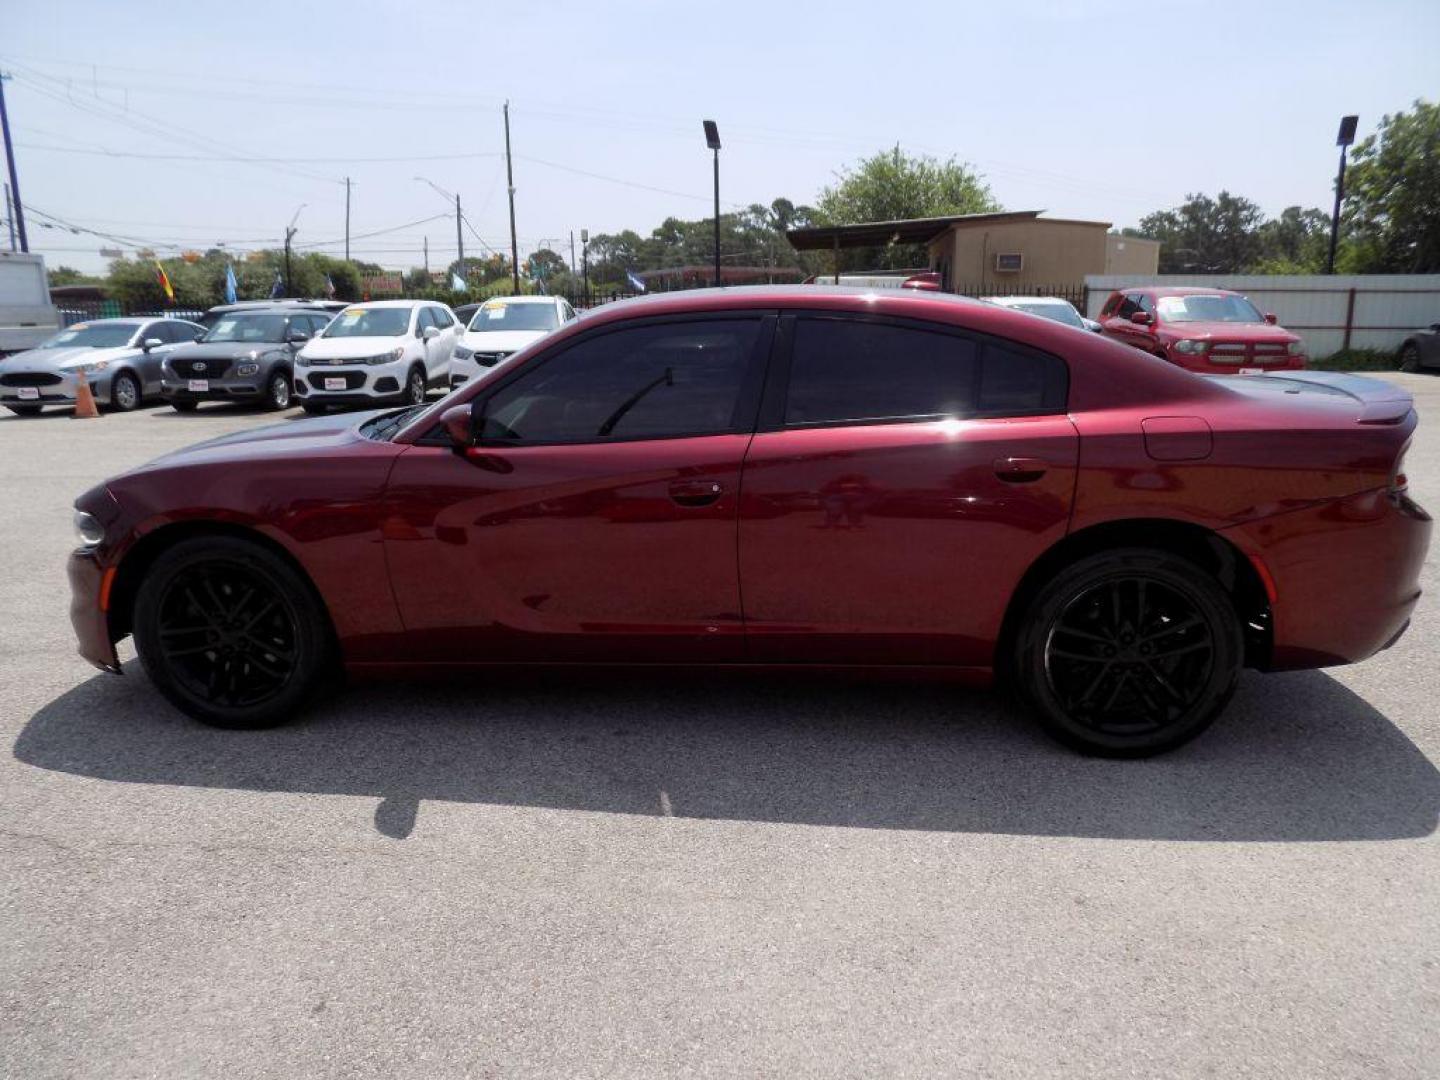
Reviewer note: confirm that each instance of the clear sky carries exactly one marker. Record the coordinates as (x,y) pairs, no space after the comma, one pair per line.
(1084,109)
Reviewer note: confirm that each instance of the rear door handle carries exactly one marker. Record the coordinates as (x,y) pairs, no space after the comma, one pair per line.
(695,492)
(1020,470)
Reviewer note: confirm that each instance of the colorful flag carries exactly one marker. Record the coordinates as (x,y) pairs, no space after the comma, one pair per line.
(231,285)
(457,282)
(165,282)
(635,282)
(278,289)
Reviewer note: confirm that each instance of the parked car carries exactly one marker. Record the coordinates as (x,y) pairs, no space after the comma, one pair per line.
(1205,330)
(783,476)
(1054,308)
(214,313)
(377,353)
(119,358)
(248,354)
(1421,349)
(502,327)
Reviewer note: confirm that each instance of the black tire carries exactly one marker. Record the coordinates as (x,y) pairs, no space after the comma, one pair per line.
(230,633)
(25,410)
(1129,653)
(125,392)
(184,406)
(314,408)
(415,387)
(277,391)
(1409,357)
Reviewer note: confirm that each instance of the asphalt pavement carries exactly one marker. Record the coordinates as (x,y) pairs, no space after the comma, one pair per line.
(717,877)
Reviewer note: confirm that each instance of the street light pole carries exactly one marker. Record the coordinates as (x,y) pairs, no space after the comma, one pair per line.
(510,181)
(19,211)
(460,242)
(712,140)
(585,262)
(1342,140)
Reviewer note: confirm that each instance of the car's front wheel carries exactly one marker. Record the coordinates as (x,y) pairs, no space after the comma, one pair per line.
(277,391)
(415,387)
(230,633)
(124,392)
(1129,652)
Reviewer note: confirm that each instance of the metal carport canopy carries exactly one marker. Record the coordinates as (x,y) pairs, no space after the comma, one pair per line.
(904,231)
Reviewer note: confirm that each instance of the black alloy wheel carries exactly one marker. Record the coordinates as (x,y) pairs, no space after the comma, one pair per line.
(124,392)
(1130,653)
(277,392)
(230,632)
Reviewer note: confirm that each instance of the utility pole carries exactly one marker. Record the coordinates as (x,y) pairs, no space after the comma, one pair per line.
(18,214)
(1342,140)
(510,180)
(347,219)
(460,241)
(290,232)
(585,261)
(10,217)
(426,241)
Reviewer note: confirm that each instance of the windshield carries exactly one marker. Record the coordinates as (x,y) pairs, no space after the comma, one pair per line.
(499,315)
(249,327)
(1232,309)
(369,322)
(96,336)
(1061,313)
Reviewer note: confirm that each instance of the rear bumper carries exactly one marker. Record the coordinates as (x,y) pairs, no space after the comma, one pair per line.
(92,625)
(1346,576)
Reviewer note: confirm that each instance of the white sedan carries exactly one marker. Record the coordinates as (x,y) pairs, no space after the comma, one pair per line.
(502,327)
(377,353)
(1047,307)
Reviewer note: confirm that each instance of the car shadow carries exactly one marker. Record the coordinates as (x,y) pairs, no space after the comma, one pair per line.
(1296,756)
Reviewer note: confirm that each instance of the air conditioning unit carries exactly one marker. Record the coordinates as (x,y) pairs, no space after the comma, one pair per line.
(1009,262)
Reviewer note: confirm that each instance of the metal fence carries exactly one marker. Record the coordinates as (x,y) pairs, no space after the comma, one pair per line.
(1073,292)
(74,311)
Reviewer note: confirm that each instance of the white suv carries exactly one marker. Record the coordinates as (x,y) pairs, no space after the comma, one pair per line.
(502,327)
(377,353)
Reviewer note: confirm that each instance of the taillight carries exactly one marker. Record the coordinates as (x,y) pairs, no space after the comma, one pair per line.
(1398,480)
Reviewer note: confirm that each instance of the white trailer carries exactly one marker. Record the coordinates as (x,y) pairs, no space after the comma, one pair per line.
(26,315)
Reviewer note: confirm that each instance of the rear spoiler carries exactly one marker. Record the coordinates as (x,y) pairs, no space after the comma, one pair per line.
(1380,402)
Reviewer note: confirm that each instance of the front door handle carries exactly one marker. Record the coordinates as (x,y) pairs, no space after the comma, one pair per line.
(695,492)
(1020,470)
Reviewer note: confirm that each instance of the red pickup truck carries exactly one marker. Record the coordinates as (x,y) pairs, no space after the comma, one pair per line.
(1205,330)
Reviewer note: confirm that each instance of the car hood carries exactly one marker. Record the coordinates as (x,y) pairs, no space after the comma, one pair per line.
(52,360)
(1223,331)
(223,350)
(289,439)
(500,340)
(346,347)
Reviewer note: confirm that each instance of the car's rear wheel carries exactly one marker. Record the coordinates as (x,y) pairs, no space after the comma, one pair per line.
(1410,358)
(277,391)
(415,386)
(230,633)
(124,392)
(1129,653)
(24,410)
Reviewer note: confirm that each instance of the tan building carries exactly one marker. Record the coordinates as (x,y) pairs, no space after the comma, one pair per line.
(1013,251)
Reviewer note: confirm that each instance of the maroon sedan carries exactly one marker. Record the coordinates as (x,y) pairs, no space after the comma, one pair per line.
(783,476)
(1206,330)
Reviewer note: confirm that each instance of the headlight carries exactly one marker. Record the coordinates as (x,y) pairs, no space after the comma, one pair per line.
(88,530)
(462,353)
(89,368)
(246,369)
(1296,348)
(1191,347)
(302,360)
(386,357)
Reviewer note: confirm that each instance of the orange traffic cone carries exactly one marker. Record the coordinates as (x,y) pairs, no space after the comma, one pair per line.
(84,400)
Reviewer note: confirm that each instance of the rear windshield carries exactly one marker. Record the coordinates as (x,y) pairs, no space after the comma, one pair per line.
(369,322)
(1231,309)
(97,336)
(1061,313)
(498,315)
(248,327)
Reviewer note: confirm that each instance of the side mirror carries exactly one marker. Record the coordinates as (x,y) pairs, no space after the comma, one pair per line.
(1270,318)
(151,343)
(460,426)
(1142,318)
(1091,325)
(297,337)
(200,334)
(430,333)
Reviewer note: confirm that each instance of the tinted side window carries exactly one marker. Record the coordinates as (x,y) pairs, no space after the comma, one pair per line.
(423,320)
(842,369)
(440,317)
(1129,304)
(1110,305)
(1146,304)
(1016,381)
(648,382)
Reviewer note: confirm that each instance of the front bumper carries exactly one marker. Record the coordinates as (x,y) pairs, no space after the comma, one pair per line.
(241,390)
(1346,575)
(88,582)
(61,393)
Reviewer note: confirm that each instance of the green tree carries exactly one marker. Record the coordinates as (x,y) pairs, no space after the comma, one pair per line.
(545,265)
(68,275)
(1293,243)
(1205,235)
(1392,205)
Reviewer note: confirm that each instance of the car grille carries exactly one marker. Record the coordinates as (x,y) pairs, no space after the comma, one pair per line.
(490,359)
(353,380)
(29,378)
(1237,352)
(201,369)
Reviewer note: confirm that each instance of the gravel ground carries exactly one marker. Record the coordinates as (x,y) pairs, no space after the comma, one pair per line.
(682,877)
